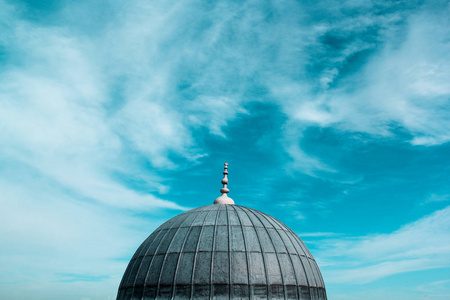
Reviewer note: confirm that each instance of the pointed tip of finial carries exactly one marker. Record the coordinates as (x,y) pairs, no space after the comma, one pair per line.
(224,199)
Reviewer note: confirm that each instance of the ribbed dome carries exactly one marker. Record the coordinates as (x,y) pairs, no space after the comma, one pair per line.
(222,252)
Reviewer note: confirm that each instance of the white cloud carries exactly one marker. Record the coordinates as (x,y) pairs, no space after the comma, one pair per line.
(436,288)
(421,245)
(298,215)
(214,112)
(405,84)
(437,198)
(153,130)
(303,161)
(46,233)
(60,114)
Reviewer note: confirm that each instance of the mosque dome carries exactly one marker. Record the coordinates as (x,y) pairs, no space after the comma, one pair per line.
(222,251)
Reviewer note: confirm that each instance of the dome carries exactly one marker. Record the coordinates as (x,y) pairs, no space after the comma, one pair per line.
(222,251)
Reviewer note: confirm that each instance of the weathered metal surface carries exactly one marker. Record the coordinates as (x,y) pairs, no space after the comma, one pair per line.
(222,252)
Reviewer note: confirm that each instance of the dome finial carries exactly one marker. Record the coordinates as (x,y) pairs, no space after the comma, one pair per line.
(224,199)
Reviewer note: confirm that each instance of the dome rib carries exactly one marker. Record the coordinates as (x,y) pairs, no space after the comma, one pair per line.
(211,273)
(163,265)
(136,267)
(247,253)
(180,222)
(299,255)
(182,252)
(139,258)
(259,243)
(310,269)
(174,223)
(272,220)
(277,256)
(146,246)
(229,251)
(195,255)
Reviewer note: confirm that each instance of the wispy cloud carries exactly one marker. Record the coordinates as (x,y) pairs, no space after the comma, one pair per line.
(437,198)
(439,289)
(401,82)
(46,232)
(420,245)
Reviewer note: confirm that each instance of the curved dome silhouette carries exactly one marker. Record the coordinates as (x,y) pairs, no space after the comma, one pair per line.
(222,251)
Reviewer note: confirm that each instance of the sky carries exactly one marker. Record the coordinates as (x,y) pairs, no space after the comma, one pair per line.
(118,115)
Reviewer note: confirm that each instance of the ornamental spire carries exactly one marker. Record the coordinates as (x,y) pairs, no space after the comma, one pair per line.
(224,199)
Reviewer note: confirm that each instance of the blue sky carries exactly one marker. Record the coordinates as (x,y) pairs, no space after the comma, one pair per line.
(118,115)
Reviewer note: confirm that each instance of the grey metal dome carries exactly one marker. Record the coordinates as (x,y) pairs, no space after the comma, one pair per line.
(222,252)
